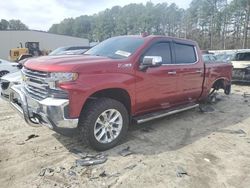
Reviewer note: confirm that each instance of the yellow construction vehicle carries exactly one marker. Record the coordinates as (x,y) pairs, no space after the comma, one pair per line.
(31,49)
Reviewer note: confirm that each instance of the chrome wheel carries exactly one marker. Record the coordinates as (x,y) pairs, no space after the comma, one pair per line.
(108,126)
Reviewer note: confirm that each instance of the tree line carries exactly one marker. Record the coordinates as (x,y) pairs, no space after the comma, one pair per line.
(12,25)
(214,24)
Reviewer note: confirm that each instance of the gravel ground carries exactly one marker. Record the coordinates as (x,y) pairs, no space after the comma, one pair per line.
(190,149)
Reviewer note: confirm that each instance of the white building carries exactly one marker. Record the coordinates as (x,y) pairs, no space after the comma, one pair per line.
(47,41)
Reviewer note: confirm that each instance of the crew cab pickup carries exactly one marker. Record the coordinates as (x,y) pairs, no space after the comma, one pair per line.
(123,79)
(241,66)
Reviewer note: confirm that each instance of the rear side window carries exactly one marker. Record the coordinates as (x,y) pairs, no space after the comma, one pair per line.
(161,49)
(184,53)
(242,56)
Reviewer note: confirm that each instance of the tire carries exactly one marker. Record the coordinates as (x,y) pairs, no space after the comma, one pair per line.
(94,113)
(2,73)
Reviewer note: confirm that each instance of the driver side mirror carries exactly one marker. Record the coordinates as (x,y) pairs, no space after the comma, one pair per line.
(150,61)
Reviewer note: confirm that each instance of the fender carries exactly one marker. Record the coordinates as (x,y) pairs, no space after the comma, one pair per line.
(84,87)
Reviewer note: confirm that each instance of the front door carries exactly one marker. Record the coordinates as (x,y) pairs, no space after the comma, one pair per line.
(156,88)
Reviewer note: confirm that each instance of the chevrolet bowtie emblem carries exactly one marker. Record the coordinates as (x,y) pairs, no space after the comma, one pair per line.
(25,79)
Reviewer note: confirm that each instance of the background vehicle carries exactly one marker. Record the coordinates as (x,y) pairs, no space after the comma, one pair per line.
(7,81)
(70,50)
(7,67)
(241,64)
(226,57)
(31,49)
(209,58)
(125,78)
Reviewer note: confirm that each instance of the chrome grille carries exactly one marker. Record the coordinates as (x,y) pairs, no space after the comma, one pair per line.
(35,83)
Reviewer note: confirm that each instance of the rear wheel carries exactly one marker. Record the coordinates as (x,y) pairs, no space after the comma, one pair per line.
(2,73)
(103,123)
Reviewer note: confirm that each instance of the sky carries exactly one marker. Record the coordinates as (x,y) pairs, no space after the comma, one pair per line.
(41,14)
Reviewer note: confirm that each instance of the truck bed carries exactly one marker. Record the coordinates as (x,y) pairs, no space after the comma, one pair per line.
(215,71)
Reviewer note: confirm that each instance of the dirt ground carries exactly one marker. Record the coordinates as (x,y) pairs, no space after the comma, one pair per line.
(190,149)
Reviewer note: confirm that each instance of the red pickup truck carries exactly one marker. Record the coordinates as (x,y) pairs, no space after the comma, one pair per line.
(124,78)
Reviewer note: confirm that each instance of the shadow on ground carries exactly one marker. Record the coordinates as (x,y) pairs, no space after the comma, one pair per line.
(176,131)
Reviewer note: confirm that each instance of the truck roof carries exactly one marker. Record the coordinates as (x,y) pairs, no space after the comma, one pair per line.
(152,37)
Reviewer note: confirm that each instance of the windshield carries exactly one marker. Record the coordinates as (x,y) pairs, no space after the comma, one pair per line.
(58,50)
(117,47)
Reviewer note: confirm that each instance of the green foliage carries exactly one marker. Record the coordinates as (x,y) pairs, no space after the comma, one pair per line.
(12,25)
(214,24)
(130,19)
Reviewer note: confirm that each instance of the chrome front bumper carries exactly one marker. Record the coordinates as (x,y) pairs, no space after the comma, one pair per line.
(50,112)
(241,75)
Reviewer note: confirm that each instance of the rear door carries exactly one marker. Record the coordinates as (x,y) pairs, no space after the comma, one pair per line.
(191,71)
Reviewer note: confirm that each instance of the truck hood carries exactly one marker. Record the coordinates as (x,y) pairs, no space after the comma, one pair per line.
(241,64)
(65,63)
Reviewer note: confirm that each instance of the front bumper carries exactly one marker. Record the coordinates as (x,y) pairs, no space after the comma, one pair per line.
(241,75)
(50,112)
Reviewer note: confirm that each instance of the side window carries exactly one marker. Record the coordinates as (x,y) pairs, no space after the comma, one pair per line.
(184,53)
(161,49)
(243,56)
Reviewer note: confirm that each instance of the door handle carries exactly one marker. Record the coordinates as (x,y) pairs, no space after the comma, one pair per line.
(198,71)
(172,72)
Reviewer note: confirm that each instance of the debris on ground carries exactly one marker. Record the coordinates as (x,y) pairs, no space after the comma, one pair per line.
(32,136)
(79,153)
(103,174)
(71,173)
(206,159)
(77,169)
(131,167)
(125,152)
(59,169)
(91,160)
(46,172)
(20,143)
(180,172)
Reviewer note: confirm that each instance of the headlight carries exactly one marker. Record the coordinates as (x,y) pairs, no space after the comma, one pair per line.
(61,77)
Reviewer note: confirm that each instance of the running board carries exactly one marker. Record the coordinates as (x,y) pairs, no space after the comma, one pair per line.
(156,115)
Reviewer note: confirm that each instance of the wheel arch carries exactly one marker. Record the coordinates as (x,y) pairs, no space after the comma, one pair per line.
(220,83)
(116,93)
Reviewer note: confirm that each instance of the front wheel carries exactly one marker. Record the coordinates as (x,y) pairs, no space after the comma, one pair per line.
(103,123)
